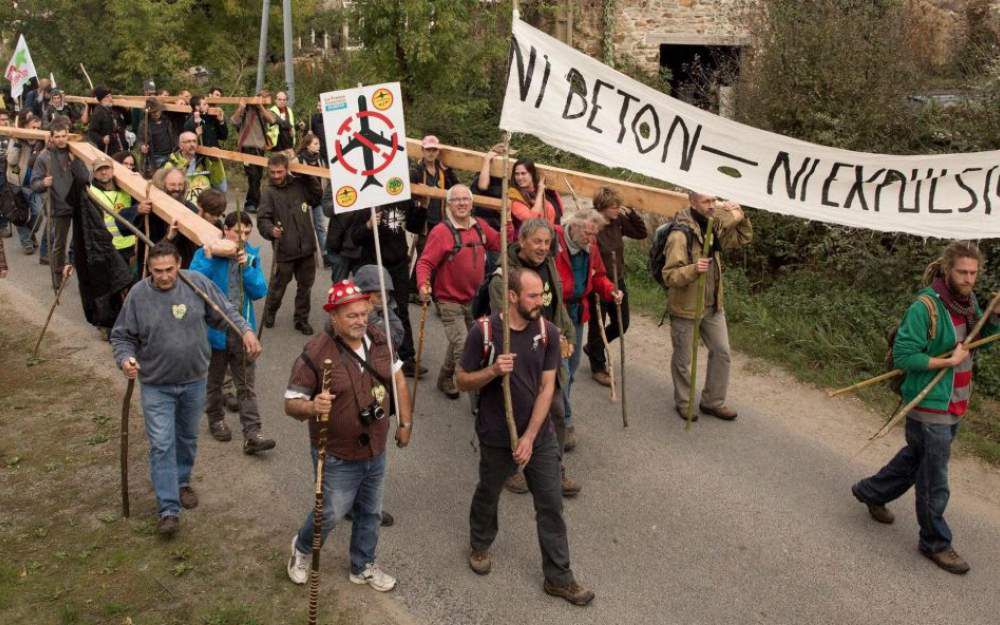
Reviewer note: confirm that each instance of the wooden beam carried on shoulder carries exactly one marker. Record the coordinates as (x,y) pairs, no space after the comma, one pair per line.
(650,199)
(167,208)
(138,102)
(32,135)
(421,190)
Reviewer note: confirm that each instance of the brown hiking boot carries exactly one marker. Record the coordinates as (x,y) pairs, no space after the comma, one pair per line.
(722,412)
(948,560)
(682,413)
(602,378)
(220,431)
(570,442)
(480,562)
(446,384)
(167,526)
(877,511)
(569,487)
(573,592)
(189,500)
(516,484)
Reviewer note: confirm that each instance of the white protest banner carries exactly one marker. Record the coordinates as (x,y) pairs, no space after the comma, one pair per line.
(573,102)
(366,139)
(20,69)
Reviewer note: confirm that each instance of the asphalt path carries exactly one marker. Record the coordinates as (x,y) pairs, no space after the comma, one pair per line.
(744,522)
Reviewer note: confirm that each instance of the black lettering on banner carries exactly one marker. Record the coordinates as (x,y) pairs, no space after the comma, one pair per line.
(968,189)
(626,98)
(783,161)
(986,189)
(914,176)
(690,144)
(637,121)
(825,197)
(892,176)
(858,188)
(523,77)
(577,87)
(545,81)
(594,106)
(934,184)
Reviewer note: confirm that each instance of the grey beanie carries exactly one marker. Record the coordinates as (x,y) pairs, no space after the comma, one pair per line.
(366,279)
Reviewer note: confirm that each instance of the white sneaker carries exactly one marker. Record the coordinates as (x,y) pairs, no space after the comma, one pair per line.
(374,577)
(298,565)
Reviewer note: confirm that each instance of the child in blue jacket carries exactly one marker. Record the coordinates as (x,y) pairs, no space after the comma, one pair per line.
(242,281)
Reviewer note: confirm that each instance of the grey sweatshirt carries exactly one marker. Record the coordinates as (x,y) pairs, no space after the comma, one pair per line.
(167,331)
(57,163)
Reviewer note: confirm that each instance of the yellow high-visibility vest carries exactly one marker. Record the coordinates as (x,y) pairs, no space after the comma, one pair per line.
(115,201)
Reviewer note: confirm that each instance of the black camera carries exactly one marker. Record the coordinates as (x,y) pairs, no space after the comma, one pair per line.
(371,413)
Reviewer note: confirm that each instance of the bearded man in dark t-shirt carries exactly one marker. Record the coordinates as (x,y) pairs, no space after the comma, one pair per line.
(531,365)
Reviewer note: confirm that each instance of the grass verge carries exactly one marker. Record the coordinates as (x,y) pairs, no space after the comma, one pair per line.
(822,332)
(69,556)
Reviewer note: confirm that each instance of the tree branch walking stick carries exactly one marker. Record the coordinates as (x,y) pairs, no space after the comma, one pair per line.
(699,311)
(180,274)
(317,543)
(48,319)
(420,350)
(123,458)
(902,412)
(505,265)
(621,336)
(888,375)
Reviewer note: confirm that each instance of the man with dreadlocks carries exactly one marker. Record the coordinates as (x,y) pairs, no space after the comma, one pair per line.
(938,321)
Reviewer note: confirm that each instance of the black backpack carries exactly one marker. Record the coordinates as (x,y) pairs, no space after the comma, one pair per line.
(658,251)
(457,236)
(13,206)
(481,300)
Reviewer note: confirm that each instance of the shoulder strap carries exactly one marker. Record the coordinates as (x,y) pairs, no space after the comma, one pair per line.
(484,323)
(931,306)
(479,229)
(309,363)
(364,363)
(543,331)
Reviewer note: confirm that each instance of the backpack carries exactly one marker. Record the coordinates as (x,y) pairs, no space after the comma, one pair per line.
(13,206)
(480,303)
(896,383)
(658,252)
(457,236)
(490,350)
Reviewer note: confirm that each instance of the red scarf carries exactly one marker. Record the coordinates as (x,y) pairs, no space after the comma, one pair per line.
(960,306)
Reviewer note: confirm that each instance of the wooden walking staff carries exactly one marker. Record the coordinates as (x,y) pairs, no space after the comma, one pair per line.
(317,543)
(600,312)
(505,265)
(699,311)
(123,458)
(420,350)
(898,372)
(180,274)
(913,403)
(621,334)
(48,319)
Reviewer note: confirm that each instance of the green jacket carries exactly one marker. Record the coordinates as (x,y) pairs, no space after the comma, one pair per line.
(562,319)
(209,173)
(913,349)
(680,272)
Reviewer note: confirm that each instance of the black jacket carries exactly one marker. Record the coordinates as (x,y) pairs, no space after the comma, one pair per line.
(161,137)
(429,212)
(290,204)
(392,235)
(213,131)
(101,272)
(106,122)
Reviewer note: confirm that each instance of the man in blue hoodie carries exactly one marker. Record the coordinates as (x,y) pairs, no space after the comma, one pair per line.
(227,348)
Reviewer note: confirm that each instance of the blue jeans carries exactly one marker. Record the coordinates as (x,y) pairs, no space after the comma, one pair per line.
(172,413)
(572,364)
(350,486)
(923,463)
(319,223)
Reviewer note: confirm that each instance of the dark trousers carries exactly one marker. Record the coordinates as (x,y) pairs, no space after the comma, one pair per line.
(243,371)
(544,479)
(58,255)
(595,346)
(401,292)
(254,174)
(304,271)
(923,463)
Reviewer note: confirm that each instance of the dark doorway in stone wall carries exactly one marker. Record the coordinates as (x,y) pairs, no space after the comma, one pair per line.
(696,72)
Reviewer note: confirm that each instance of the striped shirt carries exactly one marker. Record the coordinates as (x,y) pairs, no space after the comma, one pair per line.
(961,389)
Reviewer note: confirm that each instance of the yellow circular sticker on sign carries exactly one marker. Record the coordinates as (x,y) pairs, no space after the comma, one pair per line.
(394,186)
(382,99)
(347,196)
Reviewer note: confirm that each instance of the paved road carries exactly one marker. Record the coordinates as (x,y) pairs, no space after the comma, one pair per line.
(745,522)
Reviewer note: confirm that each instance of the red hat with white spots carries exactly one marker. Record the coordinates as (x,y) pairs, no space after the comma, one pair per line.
(343,292)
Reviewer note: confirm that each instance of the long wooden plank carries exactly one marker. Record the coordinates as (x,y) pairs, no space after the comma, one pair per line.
(167,208)
(642,197)
(265,101)
(25,133)
(322,172)
(140,102)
